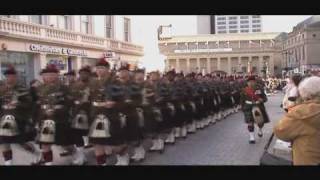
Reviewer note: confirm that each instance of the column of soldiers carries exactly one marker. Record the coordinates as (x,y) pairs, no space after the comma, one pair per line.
(119,113)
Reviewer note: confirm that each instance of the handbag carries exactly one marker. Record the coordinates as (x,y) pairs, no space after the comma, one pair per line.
(268,159)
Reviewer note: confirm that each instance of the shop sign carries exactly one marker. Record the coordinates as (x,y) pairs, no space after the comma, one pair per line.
(57,50)
(109,54)
(203,50)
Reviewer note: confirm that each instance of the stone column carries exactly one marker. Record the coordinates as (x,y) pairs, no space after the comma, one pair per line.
(260,65)
(198,66)
(239,62)
(249,64)
(208,66)
(177,65)
(77,63)
(219,63)
(188,65)
(40,62)
(229,65)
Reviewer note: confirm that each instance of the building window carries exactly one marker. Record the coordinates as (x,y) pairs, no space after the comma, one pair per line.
(303,56)
(10,16)
(126,29)
(244,30)
(222,32)
(221,27)
(314,35)
(256,21)
(233,18)
(244,17)
(256,26)
(256,30)
(244,26)
(221,18)
(255,16)
(233,31)
(233,22)
(85,24)
(244,22)
(220,23)
(36,19)
(109,26)
(232,27)
(64,22)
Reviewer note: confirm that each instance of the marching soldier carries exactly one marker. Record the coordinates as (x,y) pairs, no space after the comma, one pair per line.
(80,112)
(134,116)
(138,95)
(52,114)
(106,131)
(252,99)
(16,125)
(69,78)
(156,95)
(178,99)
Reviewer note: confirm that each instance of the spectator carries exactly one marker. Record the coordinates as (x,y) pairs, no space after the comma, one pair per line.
(292,93)
(301,125)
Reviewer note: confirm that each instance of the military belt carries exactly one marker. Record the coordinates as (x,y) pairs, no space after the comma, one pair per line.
(9,107)
(99,104)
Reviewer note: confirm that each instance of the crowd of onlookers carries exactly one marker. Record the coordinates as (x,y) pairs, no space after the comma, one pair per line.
(301,123)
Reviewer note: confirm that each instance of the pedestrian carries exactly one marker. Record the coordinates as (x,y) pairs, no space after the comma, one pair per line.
(253,96)
(291,92)
(301,125)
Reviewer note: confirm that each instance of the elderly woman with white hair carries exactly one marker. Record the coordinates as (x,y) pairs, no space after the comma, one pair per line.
(301,125)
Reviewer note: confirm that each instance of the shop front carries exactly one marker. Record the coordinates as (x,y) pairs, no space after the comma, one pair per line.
(23,63)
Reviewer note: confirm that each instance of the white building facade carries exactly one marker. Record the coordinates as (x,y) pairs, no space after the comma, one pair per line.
(30,42)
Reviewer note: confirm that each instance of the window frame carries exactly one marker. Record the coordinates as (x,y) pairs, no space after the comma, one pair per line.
(67,25)
(111,26)
(42,18)
(90,24)
(126,19)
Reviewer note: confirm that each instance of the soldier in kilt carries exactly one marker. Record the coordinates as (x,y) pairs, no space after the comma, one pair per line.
(190,103)
(52,114)
(79,114)
(134,116)
(253,96)
(138,95)
(106,132)
(179,100)
(16,124)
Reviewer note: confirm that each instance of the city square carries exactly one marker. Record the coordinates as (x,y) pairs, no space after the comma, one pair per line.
(153,90)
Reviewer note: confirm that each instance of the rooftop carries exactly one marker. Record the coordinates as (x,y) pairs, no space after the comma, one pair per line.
(313,21)
(222,37)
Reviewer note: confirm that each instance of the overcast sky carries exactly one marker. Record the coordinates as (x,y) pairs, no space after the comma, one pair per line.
(145,32)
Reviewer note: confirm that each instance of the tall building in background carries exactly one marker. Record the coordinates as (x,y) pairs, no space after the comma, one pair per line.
(301,47)
(225,24)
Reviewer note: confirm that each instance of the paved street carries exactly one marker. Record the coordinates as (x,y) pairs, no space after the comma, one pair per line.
(225,143)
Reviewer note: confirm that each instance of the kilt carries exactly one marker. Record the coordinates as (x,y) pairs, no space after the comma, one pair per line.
(199,110)
(151,125)
(117,131)
(27,131)
(133,132)
(180,115)
(248,117)
(190,112)
(168,118)
(63,133)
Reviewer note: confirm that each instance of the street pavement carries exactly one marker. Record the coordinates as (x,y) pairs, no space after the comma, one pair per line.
(224,143)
